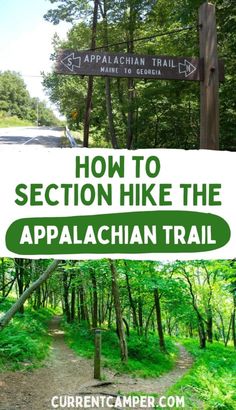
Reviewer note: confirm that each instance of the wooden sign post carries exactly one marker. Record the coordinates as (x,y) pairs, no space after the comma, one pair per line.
(209,122)
(97,354)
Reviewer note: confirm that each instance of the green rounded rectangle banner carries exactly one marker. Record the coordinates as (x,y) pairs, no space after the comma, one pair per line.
(127,233)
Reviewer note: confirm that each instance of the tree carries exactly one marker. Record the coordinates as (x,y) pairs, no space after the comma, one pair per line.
(159,319)
(15,100)
(119,320)
(68,11)
(14,97)
(42,115)
(26,294)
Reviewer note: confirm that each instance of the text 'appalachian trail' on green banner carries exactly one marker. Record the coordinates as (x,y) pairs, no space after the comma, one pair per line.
(143,204)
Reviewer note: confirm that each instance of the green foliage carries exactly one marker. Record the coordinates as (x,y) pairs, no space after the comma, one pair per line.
(68,10)
(145,358)
(14,97)
(17,108)
(24,342)
(5,304)
(42,115)
(85,287)
(212,379)
(6,121)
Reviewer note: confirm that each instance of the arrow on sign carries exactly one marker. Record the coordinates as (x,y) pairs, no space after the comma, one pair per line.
(187,68)
(71,62)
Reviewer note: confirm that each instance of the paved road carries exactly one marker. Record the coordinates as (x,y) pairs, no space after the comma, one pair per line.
(43,137)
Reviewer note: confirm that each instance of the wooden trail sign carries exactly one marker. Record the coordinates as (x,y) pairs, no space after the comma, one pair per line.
(129,65)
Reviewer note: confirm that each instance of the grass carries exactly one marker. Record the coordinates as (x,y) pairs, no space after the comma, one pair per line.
(145,358)
(14,121)
(65,142)
(211,382)
(24,343)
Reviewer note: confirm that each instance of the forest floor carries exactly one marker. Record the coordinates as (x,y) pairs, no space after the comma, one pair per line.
(64,373)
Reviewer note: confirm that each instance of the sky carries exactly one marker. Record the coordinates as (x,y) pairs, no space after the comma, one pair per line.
(26,41)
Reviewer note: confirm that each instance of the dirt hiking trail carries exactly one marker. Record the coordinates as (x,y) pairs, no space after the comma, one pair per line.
(64,373)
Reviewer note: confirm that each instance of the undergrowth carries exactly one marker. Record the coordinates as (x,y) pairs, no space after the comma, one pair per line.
(25,341)
(145,357)
(211,383)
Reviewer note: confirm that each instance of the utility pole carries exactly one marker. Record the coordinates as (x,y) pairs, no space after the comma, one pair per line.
(37,109)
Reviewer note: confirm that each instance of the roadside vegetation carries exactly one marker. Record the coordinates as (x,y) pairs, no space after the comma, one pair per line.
(6,121)
(18,108)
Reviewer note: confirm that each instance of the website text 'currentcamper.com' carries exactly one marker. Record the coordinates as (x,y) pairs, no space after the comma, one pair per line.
(116,402)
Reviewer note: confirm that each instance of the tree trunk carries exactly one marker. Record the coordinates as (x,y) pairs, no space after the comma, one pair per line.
(201,331)
(201,327)
(130,49)
(81,303)
(131,302)
(140,315)
(228,333)
(108,85)
(233,322)
(103,307)
(19,267)
(110,114)
(126,326)
(95,300)
(209,325)
(221,329)
(37,298)
(148,320)
(73,297)
(10,284)
(159,321)
(119,320)
(168,324)
(80,310)
(99,309)
(66,297)
(130,124)
(90,79)
(190,330)
(109,322)
(27,293)
(120,93)
(45,295)
(3,278)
